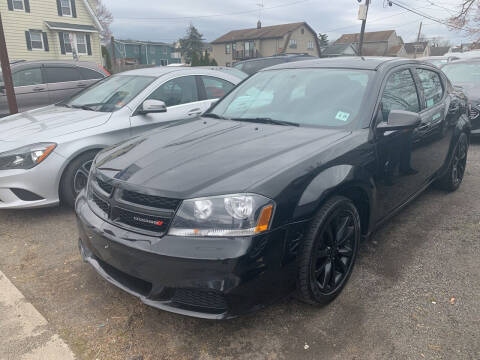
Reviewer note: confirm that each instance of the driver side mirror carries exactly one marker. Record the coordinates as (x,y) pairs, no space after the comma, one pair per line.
(400,120)
(152,107)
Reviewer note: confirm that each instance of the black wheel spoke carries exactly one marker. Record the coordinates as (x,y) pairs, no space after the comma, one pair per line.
(342,228)
(343,264)
(345,251)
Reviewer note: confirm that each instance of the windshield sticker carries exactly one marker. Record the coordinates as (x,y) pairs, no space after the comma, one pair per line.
(342,116)
(436,116)
(430,102)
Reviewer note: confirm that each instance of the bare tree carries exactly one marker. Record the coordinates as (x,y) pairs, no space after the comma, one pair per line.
(468,18)
(106,18)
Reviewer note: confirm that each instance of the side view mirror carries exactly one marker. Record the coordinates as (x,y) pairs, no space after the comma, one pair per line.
(153,106)
(400,120)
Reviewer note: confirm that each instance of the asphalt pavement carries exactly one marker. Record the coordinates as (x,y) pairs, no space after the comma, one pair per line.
(414,294)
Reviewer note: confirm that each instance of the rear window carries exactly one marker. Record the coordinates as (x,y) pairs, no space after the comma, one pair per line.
(89,74)
(251,67)
(62,74)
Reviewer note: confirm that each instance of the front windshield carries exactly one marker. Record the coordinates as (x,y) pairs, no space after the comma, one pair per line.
(312,97)
(110,94)
(464,73)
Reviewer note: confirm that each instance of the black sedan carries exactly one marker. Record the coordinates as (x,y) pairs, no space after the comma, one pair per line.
(271,191)
(465,74)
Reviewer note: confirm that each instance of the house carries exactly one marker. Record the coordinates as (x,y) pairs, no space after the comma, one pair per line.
(51,29)
(417,49)
(376,43)
(134,52)
(336,50)
(265,41)
(439,50)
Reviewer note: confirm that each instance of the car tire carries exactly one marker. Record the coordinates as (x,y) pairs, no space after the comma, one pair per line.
(328,252)
(75,177)
(453,178)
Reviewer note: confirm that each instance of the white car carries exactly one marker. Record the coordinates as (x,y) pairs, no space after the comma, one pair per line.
(45,154)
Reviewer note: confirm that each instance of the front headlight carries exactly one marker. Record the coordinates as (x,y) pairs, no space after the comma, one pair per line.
(26,157)
(228,215)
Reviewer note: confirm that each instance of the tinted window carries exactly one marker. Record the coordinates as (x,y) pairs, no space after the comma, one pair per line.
(89,74)
(27,77)
(315,97)
(178,91)
(400,94)
(432,87)
(215,87)
(62,74)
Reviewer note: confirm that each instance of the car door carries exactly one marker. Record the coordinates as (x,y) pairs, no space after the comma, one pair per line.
(90,76)
(435,133)
(30,89)
(63,81)
(180,95)
(399,173)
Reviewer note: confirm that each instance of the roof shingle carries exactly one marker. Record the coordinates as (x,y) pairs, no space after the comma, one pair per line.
(265,32)
(369,37)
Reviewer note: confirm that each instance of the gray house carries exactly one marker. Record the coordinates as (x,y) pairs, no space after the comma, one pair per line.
(336,50)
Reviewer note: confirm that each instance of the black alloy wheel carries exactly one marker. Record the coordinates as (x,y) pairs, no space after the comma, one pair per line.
(453,178)
(81,176)
(329,251)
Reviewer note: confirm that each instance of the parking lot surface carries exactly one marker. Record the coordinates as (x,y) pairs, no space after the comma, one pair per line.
(414,294)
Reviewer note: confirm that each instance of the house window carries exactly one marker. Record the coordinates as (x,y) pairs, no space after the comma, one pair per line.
(66,7)
(36,39)
(81,43)
(302,31)
(18,5)
(310,45)
(68,44)
(228,49)
(292,44)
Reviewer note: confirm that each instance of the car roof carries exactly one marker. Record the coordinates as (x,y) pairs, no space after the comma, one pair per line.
(159,71)
(278,56)
(465,61)
(347,62)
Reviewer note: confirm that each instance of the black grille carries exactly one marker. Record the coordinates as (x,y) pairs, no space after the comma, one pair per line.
(108,188)
(141,221)
(102,204)
(150,200)
(474,113)
(205,299)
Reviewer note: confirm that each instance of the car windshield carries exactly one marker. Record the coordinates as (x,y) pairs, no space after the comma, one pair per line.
(463,73)
(110,94)
(303,97)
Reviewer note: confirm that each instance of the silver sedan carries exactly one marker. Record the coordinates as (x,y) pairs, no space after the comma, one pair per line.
(45,154)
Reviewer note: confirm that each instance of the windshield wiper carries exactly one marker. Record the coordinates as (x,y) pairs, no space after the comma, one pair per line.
(83,107)
(267,120)
(215,116)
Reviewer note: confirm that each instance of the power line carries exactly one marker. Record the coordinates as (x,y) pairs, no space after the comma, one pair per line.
(214,15)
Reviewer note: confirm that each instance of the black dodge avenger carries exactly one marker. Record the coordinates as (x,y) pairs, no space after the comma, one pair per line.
(270,192)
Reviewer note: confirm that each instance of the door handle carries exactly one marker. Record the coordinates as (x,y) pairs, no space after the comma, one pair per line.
(196,111)
(423,127)
(82,85)
(38,89)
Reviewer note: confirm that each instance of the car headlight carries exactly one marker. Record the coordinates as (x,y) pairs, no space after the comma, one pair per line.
(228,215)
(26,157)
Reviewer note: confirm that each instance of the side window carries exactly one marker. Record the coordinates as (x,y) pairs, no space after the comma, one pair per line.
(215,87)
(62,74)
(432,87)
(89,74)
(400,94)
(177,91)
(27,77)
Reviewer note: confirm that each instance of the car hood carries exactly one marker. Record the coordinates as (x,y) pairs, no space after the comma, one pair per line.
(47,123)
(471,91)
(208,157)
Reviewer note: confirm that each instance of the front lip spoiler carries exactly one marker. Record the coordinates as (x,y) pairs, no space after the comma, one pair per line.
(156,304)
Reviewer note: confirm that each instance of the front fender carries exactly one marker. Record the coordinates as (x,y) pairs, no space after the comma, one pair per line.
(338,179)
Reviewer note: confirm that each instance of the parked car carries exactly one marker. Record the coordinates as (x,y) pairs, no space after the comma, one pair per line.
(439,60)
(45,154)
(465,74)
(272,189)
(251,66)
(40,83)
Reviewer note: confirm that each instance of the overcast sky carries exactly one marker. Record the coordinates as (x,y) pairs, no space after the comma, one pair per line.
(167,20)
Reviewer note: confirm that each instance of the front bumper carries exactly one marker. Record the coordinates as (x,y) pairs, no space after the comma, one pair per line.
(212,278)
(32,188)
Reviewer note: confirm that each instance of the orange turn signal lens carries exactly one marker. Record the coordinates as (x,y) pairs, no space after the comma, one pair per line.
(264,219)
(47,152)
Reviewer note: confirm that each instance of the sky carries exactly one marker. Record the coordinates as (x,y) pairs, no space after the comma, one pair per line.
(167,20)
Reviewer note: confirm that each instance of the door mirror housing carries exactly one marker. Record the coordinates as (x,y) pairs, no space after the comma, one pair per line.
(153,106)
(400,120)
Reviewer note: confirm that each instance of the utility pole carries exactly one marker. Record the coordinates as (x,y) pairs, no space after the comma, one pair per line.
(418,40)
(362,15)
(7,72)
